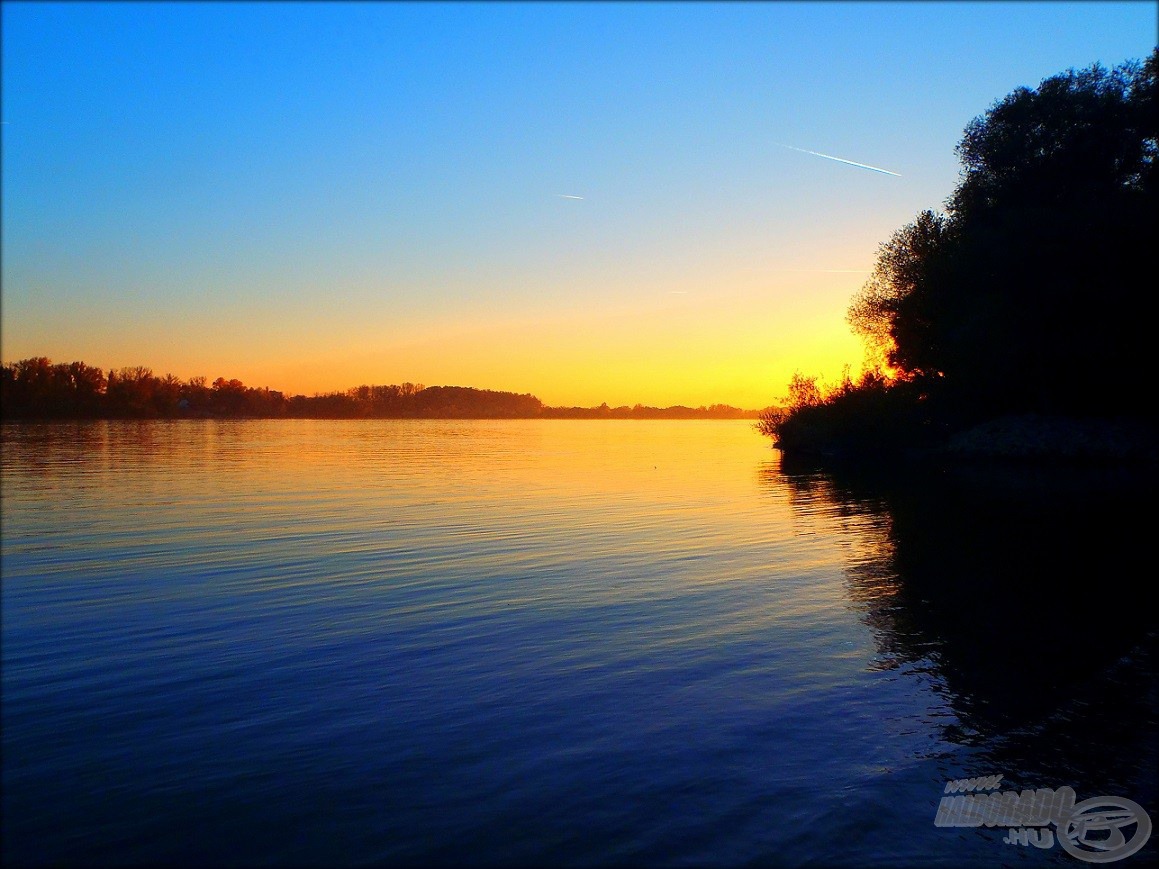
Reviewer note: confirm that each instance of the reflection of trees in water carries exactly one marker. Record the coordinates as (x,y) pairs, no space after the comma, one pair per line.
(75,449)
(1020,590)
(862,515)
(51,449)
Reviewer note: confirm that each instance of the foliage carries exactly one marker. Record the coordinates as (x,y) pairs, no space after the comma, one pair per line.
(1027,294)
(873,413)
(37,389)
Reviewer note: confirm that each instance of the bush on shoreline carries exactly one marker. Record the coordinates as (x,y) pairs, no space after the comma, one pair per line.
(872,414)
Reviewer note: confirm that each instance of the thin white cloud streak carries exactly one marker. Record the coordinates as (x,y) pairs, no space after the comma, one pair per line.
(568,196)
(839,160)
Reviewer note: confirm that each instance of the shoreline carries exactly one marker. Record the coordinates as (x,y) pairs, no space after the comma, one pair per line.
(1018,441)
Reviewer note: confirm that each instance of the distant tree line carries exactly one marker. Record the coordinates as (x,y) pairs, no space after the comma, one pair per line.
(37,388)
(1027,294)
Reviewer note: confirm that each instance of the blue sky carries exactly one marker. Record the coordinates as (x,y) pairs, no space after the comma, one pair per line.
(312,196)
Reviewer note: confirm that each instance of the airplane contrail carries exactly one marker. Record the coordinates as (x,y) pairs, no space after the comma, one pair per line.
(839,159)
(568,196)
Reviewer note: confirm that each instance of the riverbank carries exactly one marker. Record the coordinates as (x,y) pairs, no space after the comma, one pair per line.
(1038,438)
(1018,439)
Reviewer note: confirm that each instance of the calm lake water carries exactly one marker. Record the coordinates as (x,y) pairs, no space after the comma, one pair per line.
(571,642)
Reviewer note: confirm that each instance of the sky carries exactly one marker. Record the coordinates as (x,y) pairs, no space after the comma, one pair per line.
(588,202)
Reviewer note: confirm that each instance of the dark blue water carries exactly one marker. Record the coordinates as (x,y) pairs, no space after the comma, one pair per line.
(527,642)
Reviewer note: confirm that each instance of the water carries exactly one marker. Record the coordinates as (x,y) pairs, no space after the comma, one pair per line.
(568,642)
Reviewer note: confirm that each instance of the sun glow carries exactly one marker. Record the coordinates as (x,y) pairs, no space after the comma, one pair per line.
(702,346)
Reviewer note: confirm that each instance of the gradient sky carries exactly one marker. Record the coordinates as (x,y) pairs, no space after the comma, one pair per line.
(315,196)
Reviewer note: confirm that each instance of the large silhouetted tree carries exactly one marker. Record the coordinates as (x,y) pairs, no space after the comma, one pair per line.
(1030,292)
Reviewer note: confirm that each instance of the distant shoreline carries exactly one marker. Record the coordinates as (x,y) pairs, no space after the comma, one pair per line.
(36,389)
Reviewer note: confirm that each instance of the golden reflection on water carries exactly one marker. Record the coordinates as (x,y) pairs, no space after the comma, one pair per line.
(693,497)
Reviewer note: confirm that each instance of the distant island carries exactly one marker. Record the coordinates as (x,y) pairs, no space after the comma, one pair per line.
(1014,323)
(38,389)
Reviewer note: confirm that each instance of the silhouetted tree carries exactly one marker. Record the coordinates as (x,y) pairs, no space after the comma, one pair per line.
(36,388)
(194,397)
(131,391)
(228,397)
(1028,294)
